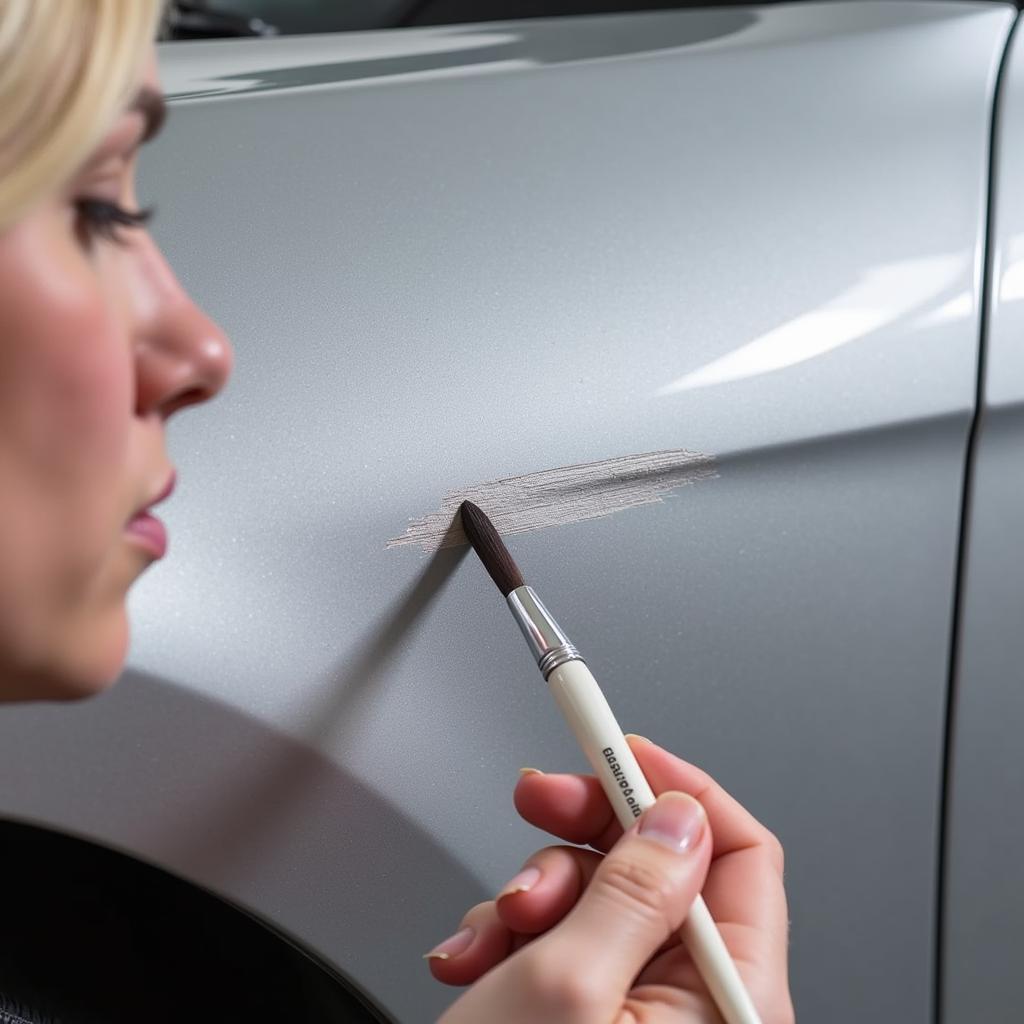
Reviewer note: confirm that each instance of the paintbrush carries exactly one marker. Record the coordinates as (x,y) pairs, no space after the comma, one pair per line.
(591,719)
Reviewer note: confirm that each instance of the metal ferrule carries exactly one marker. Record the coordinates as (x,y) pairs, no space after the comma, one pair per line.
(550,646)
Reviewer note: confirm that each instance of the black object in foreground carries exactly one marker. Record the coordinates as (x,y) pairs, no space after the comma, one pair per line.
(489,546)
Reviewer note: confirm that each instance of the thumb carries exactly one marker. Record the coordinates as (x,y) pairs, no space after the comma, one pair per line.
(639,896)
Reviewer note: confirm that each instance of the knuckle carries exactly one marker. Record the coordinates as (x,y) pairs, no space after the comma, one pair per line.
(565,994)
(635,888)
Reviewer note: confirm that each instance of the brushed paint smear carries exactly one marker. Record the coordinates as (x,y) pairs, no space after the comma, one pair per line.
(555,497)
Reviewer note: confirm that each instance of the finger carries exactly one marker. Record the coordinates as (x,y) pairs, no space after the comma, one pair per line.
(732,825)
(546,888)
(480,942)
(746,898)
(572,807)
(744,889)
(637,898)
(575,808)
(534,905)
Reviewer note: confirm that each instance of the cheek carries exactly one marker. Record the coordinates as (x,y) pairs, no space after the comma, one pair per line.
(66,375)
(66,415)
(86,389)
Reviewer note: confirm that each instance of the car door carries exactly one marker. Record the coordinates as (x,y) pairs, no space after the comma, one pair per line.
(747,242)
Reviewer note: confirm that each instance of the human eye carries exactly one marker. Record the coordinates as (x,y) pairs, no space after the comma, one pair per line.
(102,219)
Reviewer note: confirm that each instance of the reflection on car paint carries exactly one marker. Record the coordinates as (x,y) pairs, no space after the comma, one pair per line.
(418,53)
(1011,284)
(883,295)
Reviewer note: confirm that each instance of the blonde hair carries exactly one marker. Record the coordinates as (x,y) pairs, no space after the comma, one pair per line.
(67,69)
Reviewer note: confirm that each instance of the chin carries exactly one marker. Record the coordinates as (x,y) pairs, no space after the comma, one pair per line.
(53,686)
(89,665)
(97,668)
(69,689)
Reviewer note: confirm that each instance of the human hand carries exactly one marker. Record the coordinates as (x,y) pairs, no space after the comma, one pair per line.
(591,936)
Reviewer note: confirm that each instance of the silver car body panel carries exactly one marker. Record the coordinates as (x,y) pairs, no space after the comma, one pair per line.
(753,234)
(984,890)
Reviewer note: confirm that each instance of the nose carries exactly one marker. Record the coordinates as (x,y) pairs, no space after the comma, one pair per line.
(182,357)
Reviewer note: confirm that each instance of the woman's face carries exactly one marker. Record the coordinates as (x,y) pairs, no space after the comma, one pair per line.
(99,345)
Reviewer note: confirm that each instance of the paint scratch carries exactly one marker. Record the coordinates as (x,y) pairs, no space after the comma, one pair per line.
(568,494)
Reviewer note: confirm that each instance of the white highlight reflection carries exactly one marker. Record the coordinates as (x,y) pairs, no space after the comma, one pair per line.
(883,295)
(956,308)
(1011,284)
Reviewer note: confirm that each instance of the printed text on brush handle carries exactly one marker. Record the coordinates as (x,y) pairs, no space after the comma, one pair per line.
(597,731)
(619,775)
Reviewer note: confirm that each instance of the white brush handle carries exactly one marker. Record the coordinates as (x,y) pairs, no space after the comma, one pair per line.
(601,739)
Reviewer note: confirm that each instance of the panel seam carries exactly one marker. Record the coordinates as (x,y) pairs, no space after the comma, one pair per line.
(960,570)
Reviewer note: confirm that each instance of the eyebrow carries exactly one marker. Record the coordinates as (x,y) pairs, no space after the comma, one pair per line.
(151,104)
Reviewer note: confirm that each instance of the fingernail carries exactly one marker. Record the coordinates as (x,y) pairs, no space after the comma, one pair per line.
(523,882)
(530,771)
(676,820)
(457,944)
(637,736)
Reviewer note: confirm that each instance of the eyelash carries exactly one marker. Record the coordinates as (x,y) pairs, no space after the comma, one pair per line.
(102,219)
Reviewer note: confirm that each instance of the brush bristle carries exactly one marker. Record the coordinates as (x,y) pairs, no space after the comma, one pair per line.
(489,546)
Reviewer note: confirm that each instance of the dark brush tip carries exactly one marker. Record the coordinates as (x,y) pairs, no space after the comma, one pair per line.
(490,547)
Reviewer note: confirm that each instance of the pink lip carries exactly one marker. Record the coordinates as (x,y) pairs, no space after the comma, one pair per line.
(148,531)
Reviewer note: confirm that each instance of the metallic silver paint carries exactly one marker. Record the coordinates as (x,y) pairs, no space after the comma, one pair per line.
(438,279)
(557,497)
